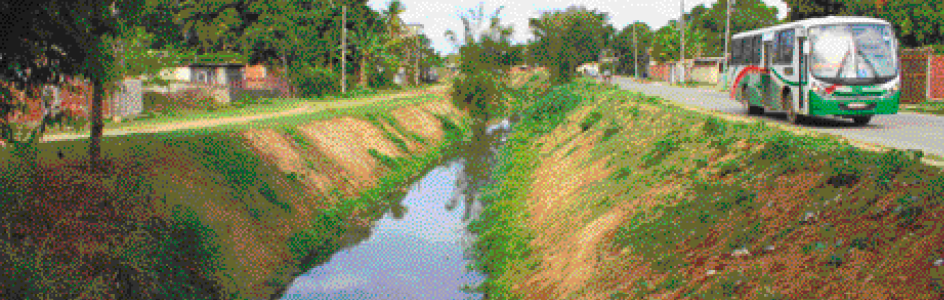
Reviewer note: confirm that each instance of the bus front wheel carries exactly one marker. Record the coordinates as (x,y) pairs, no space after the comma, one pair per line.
(792,116)
(861,120)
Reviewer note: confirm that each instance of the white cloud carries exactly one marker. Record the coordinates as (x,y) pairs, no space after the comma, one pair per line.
(439,15)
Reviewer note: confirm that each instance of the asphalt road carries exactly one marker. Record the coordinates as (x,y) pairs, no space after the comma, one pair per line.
(903,131)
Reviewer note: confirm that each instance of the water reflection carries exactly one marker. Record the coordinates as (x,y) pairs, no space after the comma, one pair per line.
(418,250)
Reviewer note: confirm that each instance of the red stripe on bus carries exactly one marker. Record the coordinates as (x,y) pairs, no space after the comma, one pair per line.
(831,88)
(743,73)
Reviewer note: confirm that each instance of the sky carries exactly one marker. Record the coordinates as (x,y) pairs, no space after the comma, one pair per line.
(437,16)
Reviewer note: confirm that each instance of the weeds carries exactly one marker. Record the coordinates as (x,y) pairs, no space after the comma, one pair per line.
(661,150)
(590,120)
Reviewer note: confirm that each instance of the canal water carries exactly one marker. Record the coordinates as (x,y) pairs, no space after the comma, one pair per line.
(420,248)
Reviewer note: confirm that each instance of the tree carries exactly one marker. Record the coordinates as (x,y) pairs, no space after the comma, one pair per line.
(918,23)
(565,39)
(623,44)
(666,42)
(62,38)
(480,87)
(804,9)
(745,15)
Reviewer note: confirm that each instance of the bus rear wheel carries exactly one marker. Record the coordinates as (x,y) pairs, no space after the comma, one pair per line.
(751,109)
(861,120)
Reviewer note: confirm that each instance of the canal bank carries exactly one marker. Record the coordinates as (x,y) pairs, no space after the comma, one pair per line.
(233,212)
(609,194)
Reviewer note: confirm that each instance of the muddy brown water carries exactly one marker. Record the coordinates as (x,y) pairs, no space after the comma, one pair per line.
(420,249)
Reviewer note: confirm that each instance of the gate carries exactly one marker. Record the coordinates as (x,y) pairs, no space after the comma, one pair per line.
(914,75)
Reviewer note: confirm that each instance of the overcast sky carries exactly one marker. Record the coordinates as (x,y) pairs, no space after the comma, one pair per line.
(439,15)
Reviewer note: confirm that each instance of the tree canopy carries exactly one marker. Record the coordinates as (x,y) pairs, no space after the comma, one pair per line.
(565,39)
(917,22)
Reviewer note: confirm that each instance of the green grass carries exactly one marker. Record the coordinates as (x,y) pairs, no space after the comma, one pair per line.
(700,202)
(159,255)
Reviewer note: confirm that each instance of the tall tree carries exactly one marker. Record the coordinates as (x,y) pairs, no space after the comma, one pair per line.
(745,15)
(483,62)
(803,9)
(917,22)
(623,44)
(58,38)
(565,39)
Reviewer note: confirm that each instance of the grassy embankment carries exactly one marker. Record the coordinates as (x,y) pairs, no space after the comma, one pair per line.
(230,212)
(608,194)
(170,113)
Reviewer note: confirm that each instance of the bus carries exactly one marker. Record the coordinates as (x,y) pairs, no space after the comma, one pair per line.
(830,66)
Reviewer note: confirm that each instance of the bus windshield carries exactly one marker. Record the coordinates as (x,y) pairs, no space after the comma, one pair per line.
(853,54)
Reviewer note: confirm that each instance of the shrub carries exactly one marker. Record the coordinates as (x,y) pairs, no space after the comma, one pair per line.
(590,120)
(314,81)
(188,99)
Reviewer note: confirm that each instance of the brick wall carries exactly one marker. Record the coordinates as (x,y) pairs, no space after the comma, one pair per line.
(660,72)
(936,82)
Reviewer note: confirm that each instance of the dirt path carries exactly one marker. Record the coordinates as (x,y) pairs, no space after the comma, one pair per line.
(204,123)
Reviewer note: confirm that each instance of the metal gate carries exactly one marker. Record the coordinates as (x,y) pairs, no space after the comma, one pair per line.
(127,100)
(914,75)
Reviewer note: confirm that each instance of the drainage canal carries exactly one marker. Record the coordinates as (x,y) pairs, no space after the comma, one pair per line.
(420,249)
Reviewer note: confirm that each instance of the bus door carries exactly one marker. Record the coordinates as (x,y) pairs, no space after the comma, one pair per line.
(803,48)
(765,80)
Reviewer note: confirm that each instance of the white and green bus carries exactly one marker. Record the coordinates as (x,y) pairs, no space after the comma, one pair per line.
(838,66)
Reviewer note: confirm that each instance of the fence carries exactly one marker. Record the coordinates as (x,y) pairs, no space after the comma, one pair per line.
(75,97)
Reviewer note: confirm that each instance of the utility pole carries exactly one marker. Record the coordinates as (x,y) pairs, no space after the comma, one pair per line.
(635,60)
(727,34)
(682,52)
(343,49)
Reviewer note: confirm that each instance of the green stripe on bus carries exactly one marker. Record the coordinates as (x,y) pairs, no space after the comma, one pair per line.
(784,79)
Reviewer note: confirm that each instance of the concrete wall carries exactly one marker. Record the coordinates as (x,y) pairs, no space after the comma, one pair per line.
(707,73)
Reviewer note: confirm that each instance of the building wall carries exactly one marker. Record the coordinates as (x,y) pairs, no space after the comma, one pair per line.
(937,78)
(706,73)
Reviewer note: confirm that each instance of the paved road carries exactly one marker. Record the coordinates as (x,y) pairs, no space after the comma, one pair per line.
(903,131)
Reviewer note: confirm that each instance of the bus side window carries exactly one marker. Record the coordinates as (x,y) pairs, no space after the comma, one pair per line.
(786,46)
(735,51)
(757,47)
(774,52)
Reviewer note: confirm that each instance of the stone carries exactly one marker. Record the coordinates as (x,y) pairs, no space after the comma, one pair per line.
(711,272)
(741,252)
(939,262)
(769,248)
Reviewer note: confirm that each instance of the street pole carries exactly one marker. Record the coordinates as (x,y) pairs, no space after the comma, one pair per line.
(343,49)
(727,34)
(635,60)
(682,54)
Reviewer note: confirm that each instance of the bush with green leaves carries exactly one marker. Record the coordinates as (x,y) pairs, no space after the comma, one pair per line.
(314,81)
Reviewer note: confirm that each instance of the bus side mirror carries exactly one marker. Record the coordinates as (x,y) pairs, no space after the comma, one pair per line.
(801,32)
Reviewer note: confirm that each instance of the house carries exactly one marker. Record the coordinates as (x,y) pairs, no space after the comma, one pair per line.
(706,69)
(589,69)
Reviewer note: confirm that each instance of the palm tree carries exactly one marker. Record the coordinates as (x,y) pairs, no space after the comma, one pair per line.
(373,45)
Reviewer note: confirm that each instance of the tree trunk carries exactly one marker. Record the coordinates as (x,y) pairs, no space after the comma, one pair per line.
(97,122)
(363,72)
